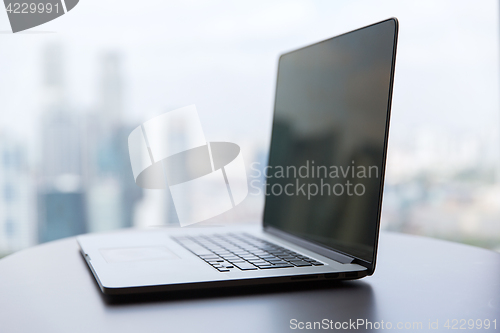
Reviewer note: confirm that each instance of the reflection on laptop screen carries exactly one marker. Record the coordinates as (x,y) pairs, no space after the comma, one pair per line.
(327,154)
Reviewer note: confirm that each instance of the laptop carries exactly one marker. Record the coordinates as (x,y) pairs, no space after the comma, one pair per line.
(323,185)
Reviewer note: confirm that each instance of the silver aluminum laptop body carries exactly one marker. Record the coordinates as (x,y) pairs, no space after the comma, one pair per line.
(332,110)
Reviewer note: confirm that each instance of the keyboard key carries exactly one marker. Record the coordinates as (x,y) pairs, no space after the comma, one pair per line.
(213,260)
(221,253)
(276,266)
(230,257)
(200,251)
(245,266)
(250,257)
(208,255)
(300,263)
(268,256)
(277,262)
(236,260)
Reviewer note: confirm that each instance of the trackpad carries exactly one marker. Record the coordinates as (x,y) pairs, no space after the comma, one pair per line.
(143,253)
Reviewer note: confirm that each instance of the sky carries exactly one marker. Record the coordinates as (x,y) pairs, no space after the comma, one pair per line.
(222,56)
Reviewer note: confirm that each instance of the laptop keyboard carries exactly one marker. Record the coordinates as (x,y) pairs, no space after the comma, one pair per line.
(231,252)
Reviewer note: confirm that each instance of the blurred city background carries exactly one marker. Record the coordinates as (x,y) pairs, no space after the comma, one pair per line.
(73,89)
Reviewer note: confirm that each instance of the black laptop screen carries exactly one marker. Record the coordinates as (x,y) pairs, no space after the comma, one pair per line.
(327,155)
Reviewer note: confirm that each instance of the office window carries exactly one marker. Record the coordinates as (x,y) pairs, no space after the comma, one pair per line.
(70,99)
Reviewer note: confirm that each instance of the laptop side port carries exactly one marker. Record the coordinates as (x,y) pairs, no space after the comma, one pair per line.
(332,275)
(304,277)
(350,275)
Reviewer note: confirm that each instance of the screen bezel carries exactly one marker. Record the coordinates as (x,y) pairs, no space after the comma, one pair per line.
(317,247)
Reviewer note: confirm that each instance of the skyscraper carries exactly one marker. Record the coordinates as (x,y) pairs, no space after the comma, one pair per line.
(17,197)
(61,199)
(112,192)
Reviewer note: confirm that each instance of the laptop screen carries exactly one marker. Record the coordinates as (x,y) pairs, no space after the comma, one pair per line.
(325,174)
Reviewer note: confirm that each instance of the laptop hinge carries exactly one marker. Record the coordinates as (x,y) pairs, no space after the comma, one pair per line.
(340,257)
